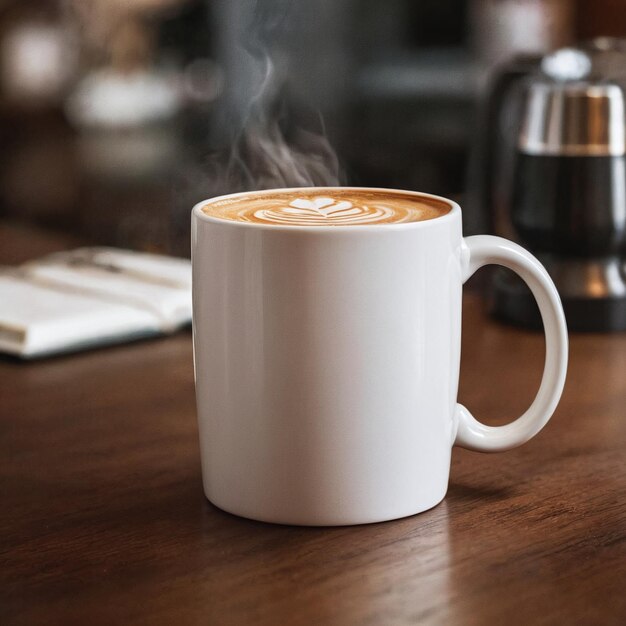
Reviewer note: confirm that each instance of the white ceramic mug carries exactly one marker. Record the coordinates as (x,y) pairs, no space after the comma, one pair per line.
(327,364)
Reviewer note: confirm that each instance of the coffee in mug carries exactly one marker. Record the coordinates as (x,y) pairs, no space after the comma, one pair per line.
(339,208)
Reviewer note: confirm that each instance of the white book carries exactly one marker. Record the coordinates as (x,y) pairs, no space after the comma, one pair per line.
(91,296)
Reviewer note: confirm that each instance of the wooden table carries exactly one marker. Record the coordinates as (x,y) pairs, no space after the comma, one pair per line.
(103,519)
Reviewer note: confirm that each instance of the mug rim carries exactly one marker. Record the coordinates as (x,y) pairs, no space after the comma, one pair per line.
(455,210)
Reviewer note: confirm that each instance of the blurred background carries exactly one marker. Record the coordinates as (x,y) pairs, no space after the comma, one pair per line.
(116,116)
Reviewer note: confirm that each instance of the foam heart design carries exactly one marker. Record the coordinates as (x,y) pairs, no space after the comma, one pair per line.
(323,206)
(323,211)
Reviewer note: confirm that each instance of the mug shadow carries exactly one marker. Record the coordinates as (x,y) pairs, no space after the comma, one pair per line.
(371,560)
(469,493)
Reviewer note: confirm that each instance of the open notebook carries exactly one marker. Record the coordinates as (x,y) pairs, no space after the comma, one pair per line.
(91,296)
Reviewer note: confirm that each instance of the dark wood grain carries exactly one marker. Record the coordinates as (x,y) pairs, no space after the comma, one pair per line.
(103,520)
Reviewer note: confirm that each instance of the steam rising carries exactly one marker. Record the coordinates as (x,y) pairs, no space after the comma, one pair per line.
(262,157)
(266,149)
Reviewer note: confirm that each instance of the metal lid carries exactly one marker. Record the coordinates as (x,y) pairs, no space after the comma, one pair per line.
(574,119)
(577,107)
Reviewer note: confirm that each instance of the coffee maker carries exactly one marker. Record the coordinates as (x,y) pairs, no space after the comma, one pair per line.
(554,178)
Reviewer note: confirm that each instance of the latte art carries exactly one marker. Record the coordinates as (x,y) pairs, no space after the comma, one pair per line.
(326,207)
(321,210)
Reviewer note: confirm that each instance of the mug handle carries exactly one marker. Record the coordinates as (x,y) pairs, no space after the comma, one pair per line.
(470,433)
